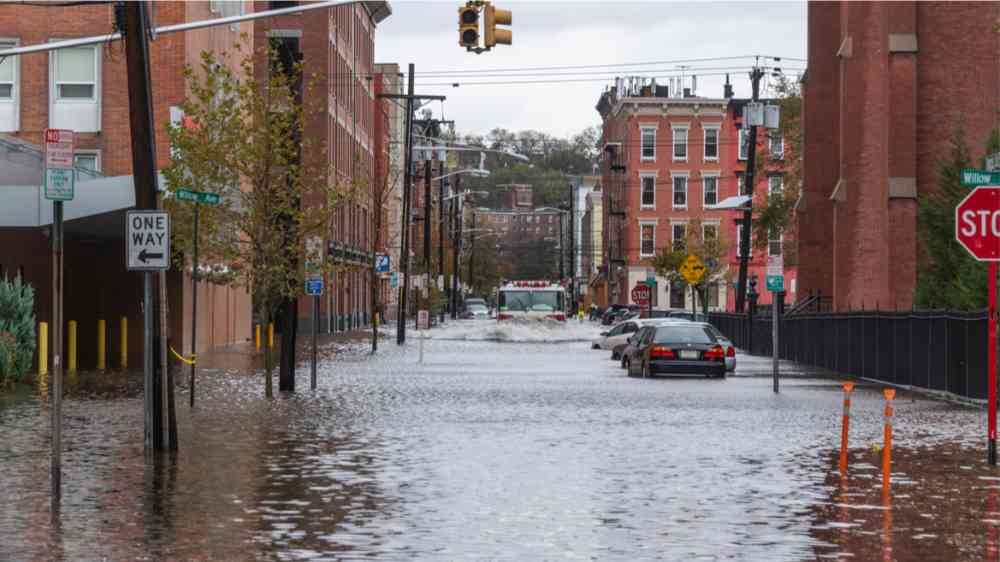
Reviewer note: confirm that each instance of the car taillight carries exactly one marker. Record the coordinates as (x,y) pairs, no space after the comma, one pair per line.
(731,352)
(502,316)
(558,316)
(715,353)
(660,352)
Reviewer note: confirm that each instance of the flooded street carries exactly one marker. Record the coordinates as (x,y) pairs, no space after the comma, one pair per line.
(522,445)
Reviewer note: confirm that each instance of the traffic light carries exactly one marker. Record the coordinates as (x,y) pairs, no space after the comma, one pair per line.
(493,18)
(468,26)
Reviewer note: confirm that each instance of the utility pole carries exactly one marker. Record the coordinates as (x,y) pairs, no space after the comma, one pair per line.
(472,249)
(562,271)
(456,241)
(428,213)
(441,233)
(741,289)
(160,431)
(406,221)
(572,247)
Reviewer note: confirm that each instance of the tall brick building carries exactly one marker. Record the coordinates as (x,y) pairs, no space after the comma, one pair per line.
(887,84)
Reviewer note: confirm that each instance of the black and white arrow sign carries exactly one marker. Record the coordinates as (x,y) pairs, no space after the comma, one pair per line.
(147,240)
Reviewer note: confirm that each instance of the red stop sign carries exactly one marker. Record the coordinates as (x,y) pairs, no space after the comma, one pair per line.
(977,223)
(640,294)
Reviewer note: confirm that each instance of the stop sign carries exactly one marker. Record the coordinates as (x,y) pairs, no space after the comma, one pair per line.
(640,294)
(977,223)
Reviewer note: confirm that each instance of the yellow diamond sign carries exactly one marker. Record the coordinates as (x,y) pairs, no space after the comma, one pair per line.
(692,270)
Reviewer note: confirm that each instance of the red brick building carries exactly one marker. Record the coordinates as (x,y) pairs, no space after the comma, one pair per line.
(887,84)
(669,156)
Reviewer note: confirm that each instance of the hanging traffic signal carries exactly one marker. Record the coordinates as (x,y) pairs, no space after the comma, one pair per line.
(493,18)
(468,26)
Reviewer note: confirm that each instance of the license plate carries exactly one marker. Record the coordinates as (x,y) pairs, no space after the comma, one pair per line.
(689,354)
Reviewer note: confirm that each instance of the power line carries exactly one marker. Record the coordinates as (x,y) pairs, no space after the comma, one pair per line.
(556,81)
(609,65)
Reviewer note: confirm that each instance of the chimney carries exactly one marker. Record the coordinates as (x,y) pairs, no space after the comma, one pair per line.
(727,89)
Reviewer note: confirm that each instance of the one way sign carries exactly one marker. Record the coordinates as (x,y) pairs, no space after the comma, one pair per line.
(147,235)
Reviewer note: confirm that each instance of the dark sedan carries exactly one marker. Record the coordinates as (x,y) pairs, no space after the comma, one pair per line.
(676,349)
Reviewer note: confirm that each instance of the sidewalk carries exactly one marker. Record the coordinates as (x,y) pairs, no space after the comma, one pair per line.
(244,356)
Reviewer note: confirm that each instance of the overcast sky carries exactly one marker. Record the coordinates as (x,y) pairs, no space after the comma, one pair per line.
(558,34)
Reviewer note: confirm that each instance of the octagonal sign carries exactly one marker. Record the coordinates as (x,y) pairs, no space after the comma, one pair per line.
(977,223)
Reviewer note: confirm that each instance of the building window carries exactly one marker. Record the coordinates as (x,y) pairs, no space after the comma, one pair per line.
(744,145)
(9,106)
(711,190)
(777,146)
(277,5)
(648,143)
(74,89)
(711,144)
(774,185)
(741,183)
(84,162)
(676,294)
(680,192)
(709,231)
(647,233)
(739,242)
(678,236)
(774,242)
(680,144)
(649,191)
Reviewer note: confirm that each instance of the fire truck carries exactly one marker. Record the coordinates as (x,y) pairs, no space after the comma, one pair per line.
(531,300)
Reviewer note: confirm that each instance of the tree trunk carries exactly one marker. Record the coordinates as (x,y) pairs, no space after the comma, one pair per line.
(289,327)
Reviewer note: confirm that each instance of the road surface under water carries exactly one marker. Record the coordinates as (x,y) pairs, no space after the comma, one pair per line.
(504,444)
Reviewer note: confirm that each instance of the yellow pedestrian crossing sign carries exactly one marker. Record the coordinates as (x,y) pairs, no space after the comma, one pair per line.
(692,270)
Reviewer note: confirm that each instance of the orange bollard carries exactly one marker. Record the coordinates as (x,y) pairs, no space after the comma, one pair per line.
(256,336)
(848,388)
(889,393)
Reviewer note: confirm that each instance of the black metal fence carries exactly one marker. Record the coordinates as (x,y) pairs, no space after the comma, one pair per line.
(936,350)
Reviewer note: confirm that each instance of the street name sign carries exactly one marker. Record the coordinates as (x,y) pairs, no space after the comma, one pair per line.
(775,273)
(640,294)
(147,240)
(393,280)
(974,178)
(382,263)
(977,223)
(60,181)
(692,270)
(314,286)
(197,196)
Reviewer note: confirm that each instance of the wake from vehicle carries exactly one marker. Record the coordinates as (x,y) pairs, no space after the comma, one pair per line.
(534,332)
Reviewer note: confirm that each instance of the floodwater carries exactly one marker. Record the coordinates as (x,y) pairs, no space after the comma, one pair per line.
(515,443)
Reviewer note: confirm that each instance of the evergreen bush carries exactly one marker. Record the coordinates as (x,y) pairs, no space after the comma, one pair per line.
(17,330)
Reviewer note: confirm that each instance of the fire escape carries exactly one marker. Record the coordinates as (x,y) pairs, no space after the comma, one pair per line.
(616,153)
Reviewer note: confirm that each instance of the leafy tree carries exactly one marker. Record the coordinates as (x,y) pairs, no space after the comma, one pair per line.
(244,140)
(711,250)
(17,330)
(948,277)
(535,258)
(776,212)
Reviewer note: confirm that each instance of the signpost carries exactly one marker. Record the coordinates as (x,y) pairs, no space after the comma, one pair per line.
(147,240)
(692,270)
(197,197)
(775,284)
(977,229)
(382,263)
(314,287)
(423,323)
(59,187)
(976,178)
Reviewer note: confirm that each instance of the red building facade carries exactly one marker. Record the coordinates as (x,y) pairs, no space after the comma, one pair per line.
(888,83)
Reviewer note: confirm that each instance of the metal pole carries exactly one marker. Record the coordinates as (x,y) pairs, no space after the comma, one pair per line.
(472,250)
(562,270)
(57,370)
(149,396)
(441,233)
(456,239)
(774,338)
(741,290)
(992,360)
(572,248)
(405,222)
(194,305)
(315,330)
(428,213)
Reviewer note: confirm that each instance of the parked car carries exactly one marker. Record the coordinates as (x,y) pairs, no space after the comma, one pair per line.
(624,314)
(677,348)
(475,300)
(476,311)
(687,315)
(607,319)
(726,344)
(632,340)
(614,339)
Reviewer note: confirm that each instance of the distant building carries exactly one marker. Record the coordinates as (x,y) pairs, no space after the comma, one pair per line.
(389,122)
(590,245)
(518,228)
(887,84)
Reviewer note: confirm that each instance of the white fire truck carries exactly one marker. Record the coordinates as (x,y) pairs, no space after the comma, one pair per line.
(531,300)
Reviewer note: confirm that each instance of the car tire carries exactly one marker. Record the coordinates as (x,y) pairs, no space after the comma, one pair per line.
(595,346)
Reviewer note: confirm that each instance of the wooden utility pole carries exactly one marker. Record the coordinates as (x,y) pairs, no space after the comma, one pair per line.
(741,289)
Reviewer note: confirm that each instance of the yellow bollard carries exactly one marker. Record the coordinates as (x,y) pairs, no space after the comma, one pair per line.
(376,319)
(123,351)
(71,346)
(43,348)
(100,345)
(270,335)
(256,336)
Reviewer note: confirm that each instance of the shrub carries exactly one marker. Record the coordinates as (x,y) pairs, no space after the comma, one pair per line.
(17,330)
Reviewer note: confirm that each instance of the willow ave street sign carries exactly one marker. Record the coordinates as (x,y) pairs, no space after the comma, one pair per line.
(974,178)
(977,223)
(197,196)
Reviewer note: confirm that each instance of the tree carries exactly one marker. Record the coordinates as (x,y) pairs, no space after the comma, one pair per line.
(711,250)
(534,258)
(243,139)
(948,277)
(17,330)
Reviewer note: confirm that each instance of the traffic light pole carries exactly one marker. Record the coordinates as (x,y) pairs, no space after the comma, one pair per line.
(406,221)
(741,289)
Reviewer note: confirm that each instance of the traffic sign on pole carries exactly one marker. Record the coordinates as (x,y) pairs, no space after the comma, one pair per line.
(197,196)
(974,178)
(692,270)
(147,240)
(640,294)
(382,263)
(977,229)
(314,286)
(60,181)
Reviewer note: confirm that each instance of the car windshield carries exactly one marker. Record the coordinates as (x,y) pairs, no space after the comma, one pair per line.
(476,301)
(683,334)
(538,301)
(475,307)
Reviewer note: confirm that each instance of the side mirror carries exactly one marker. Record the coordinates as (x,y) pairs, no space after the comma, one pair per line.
(604,333)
